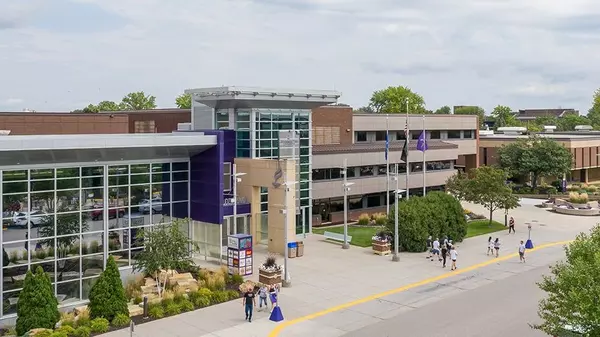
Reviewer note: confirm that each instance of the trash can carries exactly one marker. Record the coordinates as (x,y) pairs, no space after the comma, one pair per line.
(292,250)
(300,249)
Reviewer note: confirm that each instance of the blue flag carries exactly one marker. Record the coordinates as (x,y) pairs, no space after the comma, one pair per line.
(387,145)
(422,142)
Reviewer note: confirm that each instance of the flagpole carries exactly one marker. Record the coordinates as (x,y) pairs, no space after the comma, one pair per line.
(407,154)
(387,163)
(424,163)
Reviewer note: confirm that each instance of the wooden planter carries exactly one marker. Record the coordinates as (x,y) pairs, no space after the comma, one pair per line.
(269,278)
(381,247)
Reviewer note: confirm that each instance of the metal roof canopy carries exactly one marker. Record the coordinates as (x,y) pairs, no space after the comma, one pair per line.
(62,149)
(255,97)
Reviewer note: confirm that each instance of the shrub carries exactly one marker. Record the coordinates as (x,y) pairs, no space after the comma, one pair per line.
(591,189)
(99,325)
(364,219)
(578,198)
(186,305)
(94,247)
(14,256)
(205,292)
(237,279)
(58,333)
(233,295)
(168,295)
(83,319)
(380,219)
(121,320)
(156,311)
(107,297)
(66,329)
(437,214)
(67,319)
(219,297)
(179,298)
(202,274)
(40,254)
(166,302)
(573,187)
(24,255)
(137,300)
(133,287)
(11,331)
(201,301)
(82,331)
(37,306)
(43,333)
(172,309)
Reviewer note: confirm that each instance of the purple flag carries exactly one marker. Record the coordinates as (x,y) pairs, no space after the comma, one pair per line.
(422,142)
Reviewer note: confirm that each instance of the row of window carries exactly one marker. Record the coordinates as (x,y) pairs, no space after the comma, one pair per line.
(374,170)
(379,136)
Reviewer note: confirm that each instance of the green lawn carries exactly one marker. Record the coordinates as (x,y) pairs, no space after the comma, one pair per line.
(361,236)
(481,227)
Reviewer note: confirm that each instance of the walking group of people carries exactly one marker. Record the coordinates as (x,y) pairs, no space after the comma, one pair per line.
(264,292)
(442,251)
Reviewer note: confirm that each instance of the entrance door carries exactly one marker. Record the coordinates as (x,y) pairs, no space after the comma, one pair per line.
(302,220)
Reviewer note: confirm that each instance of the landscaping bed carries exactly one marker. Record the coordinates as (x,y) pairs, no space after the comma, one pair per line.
(361,235)
(481,227)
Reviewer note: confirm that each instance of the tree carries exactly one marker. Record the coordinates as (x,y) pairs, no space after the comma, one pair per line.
(37,306)
(109,106)
(107,296)
(569,122)
(594,112)
(393,100)
(486,186)
(184,101)
(138,101)
(364,110)
(436,214)
(167,247)
(503,116)
(471,110)
(573,289)
(536,157)
(445,110)
(90,109)
(66,223)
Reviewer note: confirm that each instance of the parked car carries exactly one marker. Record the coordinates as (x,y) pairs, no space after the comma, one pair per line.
(98,214)
(156,205)
(34,219)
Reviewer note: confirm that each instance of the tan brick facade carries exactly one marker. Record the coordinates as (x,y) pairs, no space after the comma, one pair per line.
(332,125)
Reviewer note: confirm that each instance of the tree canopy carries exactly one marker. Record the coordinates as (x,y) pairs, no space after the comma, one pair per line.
(503,116)
(573,289)
(132,101)
(184,101)
(535,156)
(471,110)
(445,110)
(393,100)
(486,186)
(594,112)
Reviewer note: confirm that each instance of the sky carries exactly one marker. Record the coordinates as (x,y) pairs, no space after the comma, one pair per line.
(61,55)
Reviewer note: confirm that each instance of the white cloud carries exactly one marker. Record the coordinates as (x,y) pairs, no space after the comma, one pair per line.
(537,53)
(13,101)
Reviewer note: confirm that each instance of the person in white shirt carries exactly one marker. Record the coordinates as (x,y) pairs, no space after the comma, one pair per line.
(522,252)
(453,256)
(436,250)
(497,246)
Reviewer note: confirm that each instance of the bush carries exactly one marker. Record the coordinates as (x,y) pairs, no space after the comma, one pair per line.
(233,295)
(205,292)
(83,319)
(121,321)
(67,319)
(186,305)
(82,331)
(237,279)
(573,187)
(364,219)
(107,297)
(40,254)
(172,309)
(99,325)
(438,214)
(219,297)
(44,333)
(37,306)
(179,298)
(380,219)
(156,311)
(58,333)
(591,189)
(578,198)
(201,301)
(137,300)
(66,329)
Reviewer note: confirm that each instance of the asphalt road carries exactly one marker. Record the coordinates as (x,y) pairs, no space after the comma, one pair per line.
(503,308)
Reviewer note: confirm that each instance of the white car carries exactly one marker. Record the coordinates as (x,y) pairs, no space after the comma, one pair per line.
(34,218)
(156,205)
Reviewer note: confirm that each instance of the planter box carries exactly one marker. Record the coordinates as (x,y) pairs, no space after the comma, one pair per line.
(381,247)
(579,205)
(269,278)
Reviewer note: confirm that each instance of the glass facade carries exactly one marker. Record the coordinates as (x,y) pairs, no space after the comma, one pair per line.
(69,219)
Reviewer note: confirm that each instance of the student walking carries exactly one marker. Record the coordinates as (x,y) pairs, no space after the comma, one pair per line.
(453,256)
(511,225)
(436,249)
(497,246)
(262,297)
(444,255)
(429,248)
(490,246)
(249,301)
(522,252)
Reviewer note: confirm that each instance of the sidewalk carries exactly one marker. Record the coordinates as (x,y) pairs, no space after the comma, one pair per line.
(328,276)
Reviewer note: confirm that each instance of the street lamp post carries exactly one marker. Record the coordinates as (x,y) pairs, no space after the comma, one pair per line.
(286,274)
(346,185)
(398,195)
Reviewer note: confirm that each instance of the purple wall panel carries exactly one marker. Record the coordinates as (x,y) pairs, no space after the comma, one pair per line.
(241,209)
(206,182)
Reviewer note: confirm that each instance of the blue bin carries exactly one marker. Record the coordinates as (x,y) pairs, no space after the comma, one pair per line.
(292,244)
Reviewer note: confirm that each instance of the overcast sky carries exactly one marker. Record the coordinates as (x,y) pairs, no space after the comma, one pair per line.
(64,54)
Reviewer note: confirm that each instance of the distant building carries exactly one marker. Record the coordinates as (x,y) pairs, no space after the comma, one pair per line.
(531,114)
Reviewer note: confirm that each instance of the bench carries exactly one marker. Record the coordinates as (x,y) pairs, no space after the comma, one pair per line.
(336,236)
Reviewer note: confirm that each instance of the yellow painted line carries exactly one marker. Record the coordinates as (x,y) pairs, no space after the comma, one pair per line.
(279,328)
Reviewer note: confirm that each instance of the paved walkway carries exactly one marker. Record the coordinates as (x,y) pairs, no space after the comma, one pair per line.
(328,278)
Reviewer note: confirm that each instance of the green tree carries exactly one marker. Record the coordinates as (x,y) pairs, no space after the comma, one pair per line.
(594,112)
(364,110)
(90,109)
(37,306)
(471,110)
(167,247)
(503,116)
(107,296)
(536,157)
(486,186)
(445,110)
(573,289)
(66,223)
(109,106)
(184,101)
(138,101)
(393,100)
(569,122)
